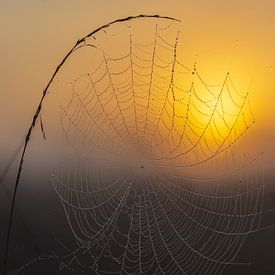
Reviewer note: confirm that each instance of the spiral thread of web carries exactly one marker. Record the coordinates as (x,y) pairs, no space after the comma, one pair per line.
(139,98)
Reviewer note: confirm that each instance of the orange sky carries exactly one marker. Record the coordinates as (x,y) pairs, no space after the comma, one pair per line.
(221,36)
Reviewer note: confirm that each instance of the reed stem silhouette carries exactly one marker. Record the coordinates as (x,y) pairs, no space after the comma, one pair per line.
(38,112)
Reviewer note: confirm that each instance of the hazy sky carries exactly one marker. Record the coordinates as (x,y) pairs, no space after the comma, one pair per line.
(236,36)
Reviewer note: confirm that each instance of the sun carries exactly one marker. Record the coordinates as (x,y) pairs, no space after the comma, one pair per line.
(212,116)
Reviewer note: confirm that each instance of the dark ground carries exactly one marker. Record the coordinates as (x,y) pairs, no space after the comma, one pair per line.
(40,228)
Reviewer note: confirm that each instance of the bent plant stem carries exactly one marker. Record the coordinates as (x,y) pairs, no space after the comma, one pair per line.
(38,111)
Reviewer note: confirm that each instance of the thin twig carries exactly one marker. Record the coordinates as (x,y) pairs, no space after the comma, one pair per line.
(38,111)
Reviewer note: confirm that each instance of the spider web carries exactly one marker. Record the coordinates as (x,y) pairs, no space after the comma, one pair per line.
(139,126)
